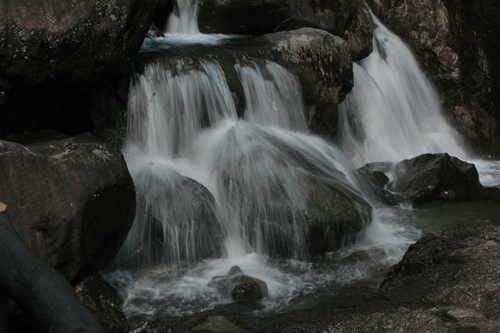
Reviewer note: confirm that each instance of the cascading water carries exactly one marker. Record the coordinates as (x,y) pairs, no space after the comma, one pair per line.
(206,178)
(183,20)
(203,176)
(262,170)
(393,111)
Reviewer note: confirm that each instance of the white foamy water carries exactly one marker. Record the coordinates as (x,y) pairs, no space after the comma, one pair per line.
(292,284)
(393,112)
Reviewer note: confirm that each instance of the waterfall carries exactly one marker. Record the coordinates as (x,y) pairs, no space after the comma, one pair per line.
(183,19)
(251,179)
(393,112)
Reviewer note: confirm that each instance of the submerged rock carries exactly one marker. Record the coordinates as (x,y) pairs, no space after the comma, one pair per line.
(219,324)
(71,200)
(429,177)
(240,287)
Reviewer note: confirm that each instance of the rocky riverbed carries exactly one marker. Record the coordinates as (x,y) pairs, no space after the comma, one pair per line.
(447,282)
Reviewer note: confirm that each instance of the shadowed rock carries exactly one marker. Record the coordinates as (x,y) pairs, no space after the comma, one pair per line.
(428,177)
(104,303)
(43,294)
(51,50)
(71,200)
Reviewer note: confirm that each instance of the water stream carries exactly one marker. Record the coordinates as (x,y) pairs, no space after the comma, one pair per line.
(213,185)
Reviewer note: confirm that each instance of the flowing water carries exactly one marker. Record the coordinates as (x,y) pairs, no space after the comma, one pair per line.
(213,185)
(393,111)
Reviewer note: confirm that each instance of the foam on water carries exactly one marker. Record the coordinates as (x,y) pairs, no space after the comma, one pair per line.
(292,284)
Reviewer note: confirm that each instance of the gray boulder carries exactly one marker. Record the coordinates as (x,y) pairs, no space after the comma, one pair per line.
(72,201)
(175,220)
(323,65)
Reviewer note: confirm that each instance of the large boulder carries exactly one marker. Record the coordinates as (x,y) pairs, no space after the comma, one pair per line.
(334,218)
(72,201)
(457,44)
(446,282)
(50,50)
(175,220)
(426,178)
(347,19)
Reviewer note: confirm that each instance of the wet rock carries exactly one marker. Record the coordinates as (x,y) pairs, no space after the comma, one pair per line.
(433,176)
(447,282)
(429,177)
(347,19)
(72,201)
(51,50)
(103,302)
(240,287)
(334,218)
(375,183)
(175,220)
(321,61)
(457,44)
(323,65)
(154,32)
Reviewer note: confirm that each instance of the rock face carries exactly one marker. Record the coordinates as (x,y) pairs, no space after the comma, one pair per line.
(104,303)
(457,44)
(426,178)
(347,19)
(71,200)
(50,50)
